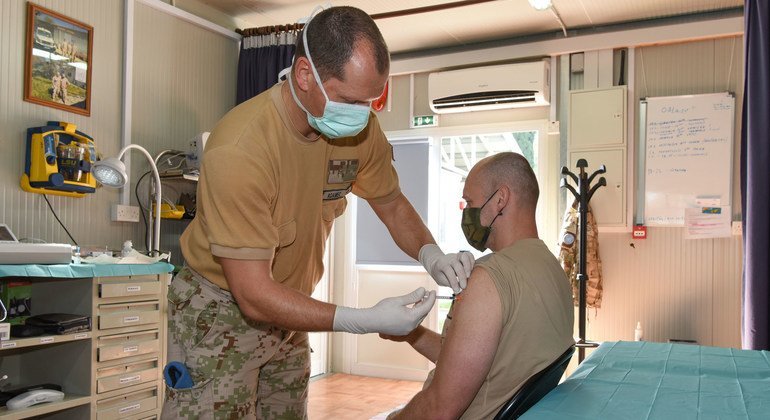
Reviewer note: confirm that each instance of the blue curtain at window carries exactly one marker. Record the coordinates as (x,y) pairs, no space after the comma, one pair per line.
(262,58)
(755,177)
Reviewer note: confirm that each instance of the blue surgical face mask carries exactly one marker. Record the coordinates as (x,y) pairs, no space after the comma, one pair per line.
(339,119)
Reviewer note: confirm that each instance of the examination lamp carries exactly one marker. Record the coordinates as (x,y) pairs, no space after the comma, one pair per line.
(111,172)
(540,4)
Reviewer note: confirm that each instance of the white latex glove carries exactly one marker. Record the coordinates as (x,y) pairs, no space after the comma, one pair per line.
(450,270)
(390,316)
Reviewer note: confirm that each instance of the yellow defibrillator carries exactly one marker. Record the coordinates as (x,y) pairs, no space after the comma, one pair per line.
(59,159)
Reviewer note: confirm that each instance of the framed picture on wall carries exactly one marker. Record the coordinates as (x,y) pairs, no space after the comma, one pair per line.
(57,72)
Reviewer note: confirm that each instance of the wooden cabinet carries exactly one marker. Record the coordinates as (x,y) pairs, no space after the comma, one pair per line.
(597,133)
(128,346)
(113,371)
(597,118)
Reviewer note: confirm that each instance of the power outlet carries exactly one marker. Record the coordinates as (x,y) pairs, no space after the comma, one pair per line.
(121,213)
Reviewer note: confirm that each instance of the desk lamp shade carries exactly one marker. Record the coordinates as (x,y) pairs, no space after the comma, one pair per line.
(111,172)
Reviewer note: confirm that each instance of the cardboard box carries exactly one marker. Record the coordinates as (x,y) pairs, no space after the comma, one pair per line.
(17,298)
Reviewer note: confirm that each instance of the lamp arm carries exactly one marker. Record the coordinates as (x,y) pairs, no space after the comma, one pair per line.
(156,234)
(171,152)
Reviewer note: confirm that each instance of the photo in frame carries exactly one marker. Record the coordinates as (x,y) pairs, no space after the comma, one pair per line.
(57,72)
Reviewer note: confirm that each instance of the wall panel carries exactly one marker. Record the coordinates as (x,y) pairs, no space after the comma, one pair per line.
(373,355)
(88,219)
(184,81)
(184,78)
(677,288)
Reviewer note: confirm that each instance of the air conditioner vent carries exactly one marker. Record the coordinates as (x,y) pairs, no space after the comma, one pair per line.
(491,87)
(497,97)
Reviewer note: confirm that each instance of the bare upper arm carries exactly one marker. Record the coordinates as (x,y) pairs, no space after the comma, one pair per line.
(243,273)
(387,211)
(470,345)
(245,277)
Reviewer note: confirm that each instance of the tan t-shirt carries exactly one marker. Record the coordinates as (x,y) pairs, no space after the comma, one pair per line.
(537,321)
(266,191)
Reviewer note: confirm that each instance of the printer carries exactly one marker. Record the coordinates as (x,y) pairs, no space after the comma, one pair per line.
(14,252)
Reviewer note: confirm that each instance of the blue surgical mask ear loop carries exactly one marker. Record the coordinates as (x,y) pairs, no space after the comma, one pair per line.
(286,73)
(312,65)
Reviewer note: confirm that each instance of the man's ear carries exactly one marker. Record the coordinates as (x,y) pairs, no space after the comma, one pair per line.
(303,74)
(503,198)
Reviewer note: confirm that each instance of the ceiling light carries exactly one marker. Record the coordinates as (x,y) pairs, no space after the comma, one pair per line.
(540,4)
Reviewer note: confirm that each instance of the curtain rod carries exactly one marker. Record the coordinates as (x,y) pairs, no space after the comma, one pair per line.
(272,29)
(267,30)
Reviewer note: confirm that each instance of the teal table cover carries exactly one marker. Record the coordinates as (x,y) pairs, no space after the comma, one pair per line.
(645,380)
(83,270)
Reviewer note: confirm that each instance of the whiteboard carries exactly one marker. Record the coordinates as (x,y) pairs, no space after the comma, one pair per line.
(687,144)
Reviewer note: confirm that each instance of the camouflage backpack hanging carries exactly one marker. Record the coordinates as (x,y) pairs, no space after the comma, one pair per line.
(569,254)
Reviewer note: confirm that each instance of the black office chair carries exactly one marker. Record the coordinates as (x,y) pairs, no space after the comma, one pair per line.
(536,387)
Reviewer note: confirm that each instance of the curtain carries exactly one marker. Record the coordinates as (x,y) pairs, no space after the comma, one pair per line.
(755,177)
(262,58)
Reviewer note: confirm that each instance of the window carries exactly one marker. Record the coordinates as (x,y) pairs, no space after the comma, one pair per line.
(374,245)
(458,153)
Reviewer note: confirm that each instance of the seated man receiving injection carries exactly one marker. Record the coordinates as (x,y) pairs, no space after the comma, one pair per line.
(514,318)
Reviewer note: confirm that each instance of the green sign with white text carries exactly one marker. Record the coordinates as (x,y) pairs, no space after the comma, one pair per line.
(425,121)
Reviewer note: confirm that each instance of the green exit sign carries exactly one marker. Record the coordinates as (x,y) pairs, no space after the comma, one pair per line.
(425,121)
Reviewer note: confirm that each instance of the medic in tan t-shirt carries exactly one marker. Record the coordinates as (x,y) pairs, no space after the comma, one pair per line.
(240,309)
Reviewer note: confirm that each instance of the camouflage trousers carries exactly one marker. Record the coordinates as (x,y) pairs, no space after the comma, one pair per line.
(240,369)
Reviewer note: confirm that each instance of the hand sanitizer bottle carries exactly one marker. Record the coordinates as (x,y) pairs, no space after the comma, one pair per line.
(638,332)
(128,247)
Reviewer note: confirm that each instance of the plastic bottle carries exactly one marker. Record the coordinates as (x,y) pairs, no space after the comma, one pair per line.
(128,247)
(638,332)
(75,254)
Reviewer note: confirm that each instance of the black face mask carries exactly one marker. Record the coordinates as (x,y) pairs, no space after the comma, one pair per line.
(475,233)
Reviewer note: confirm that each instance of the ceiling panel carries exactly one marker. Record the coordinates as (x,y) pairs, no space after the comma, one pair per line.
(602,12)
(494,20)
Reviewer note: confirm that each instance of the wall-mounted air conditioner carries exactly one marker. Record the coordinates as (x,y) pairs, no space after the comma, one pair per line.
(491,87)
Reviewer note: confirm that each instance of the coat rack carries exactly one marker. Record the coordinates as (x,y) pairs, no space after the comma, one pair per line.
(583,195)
